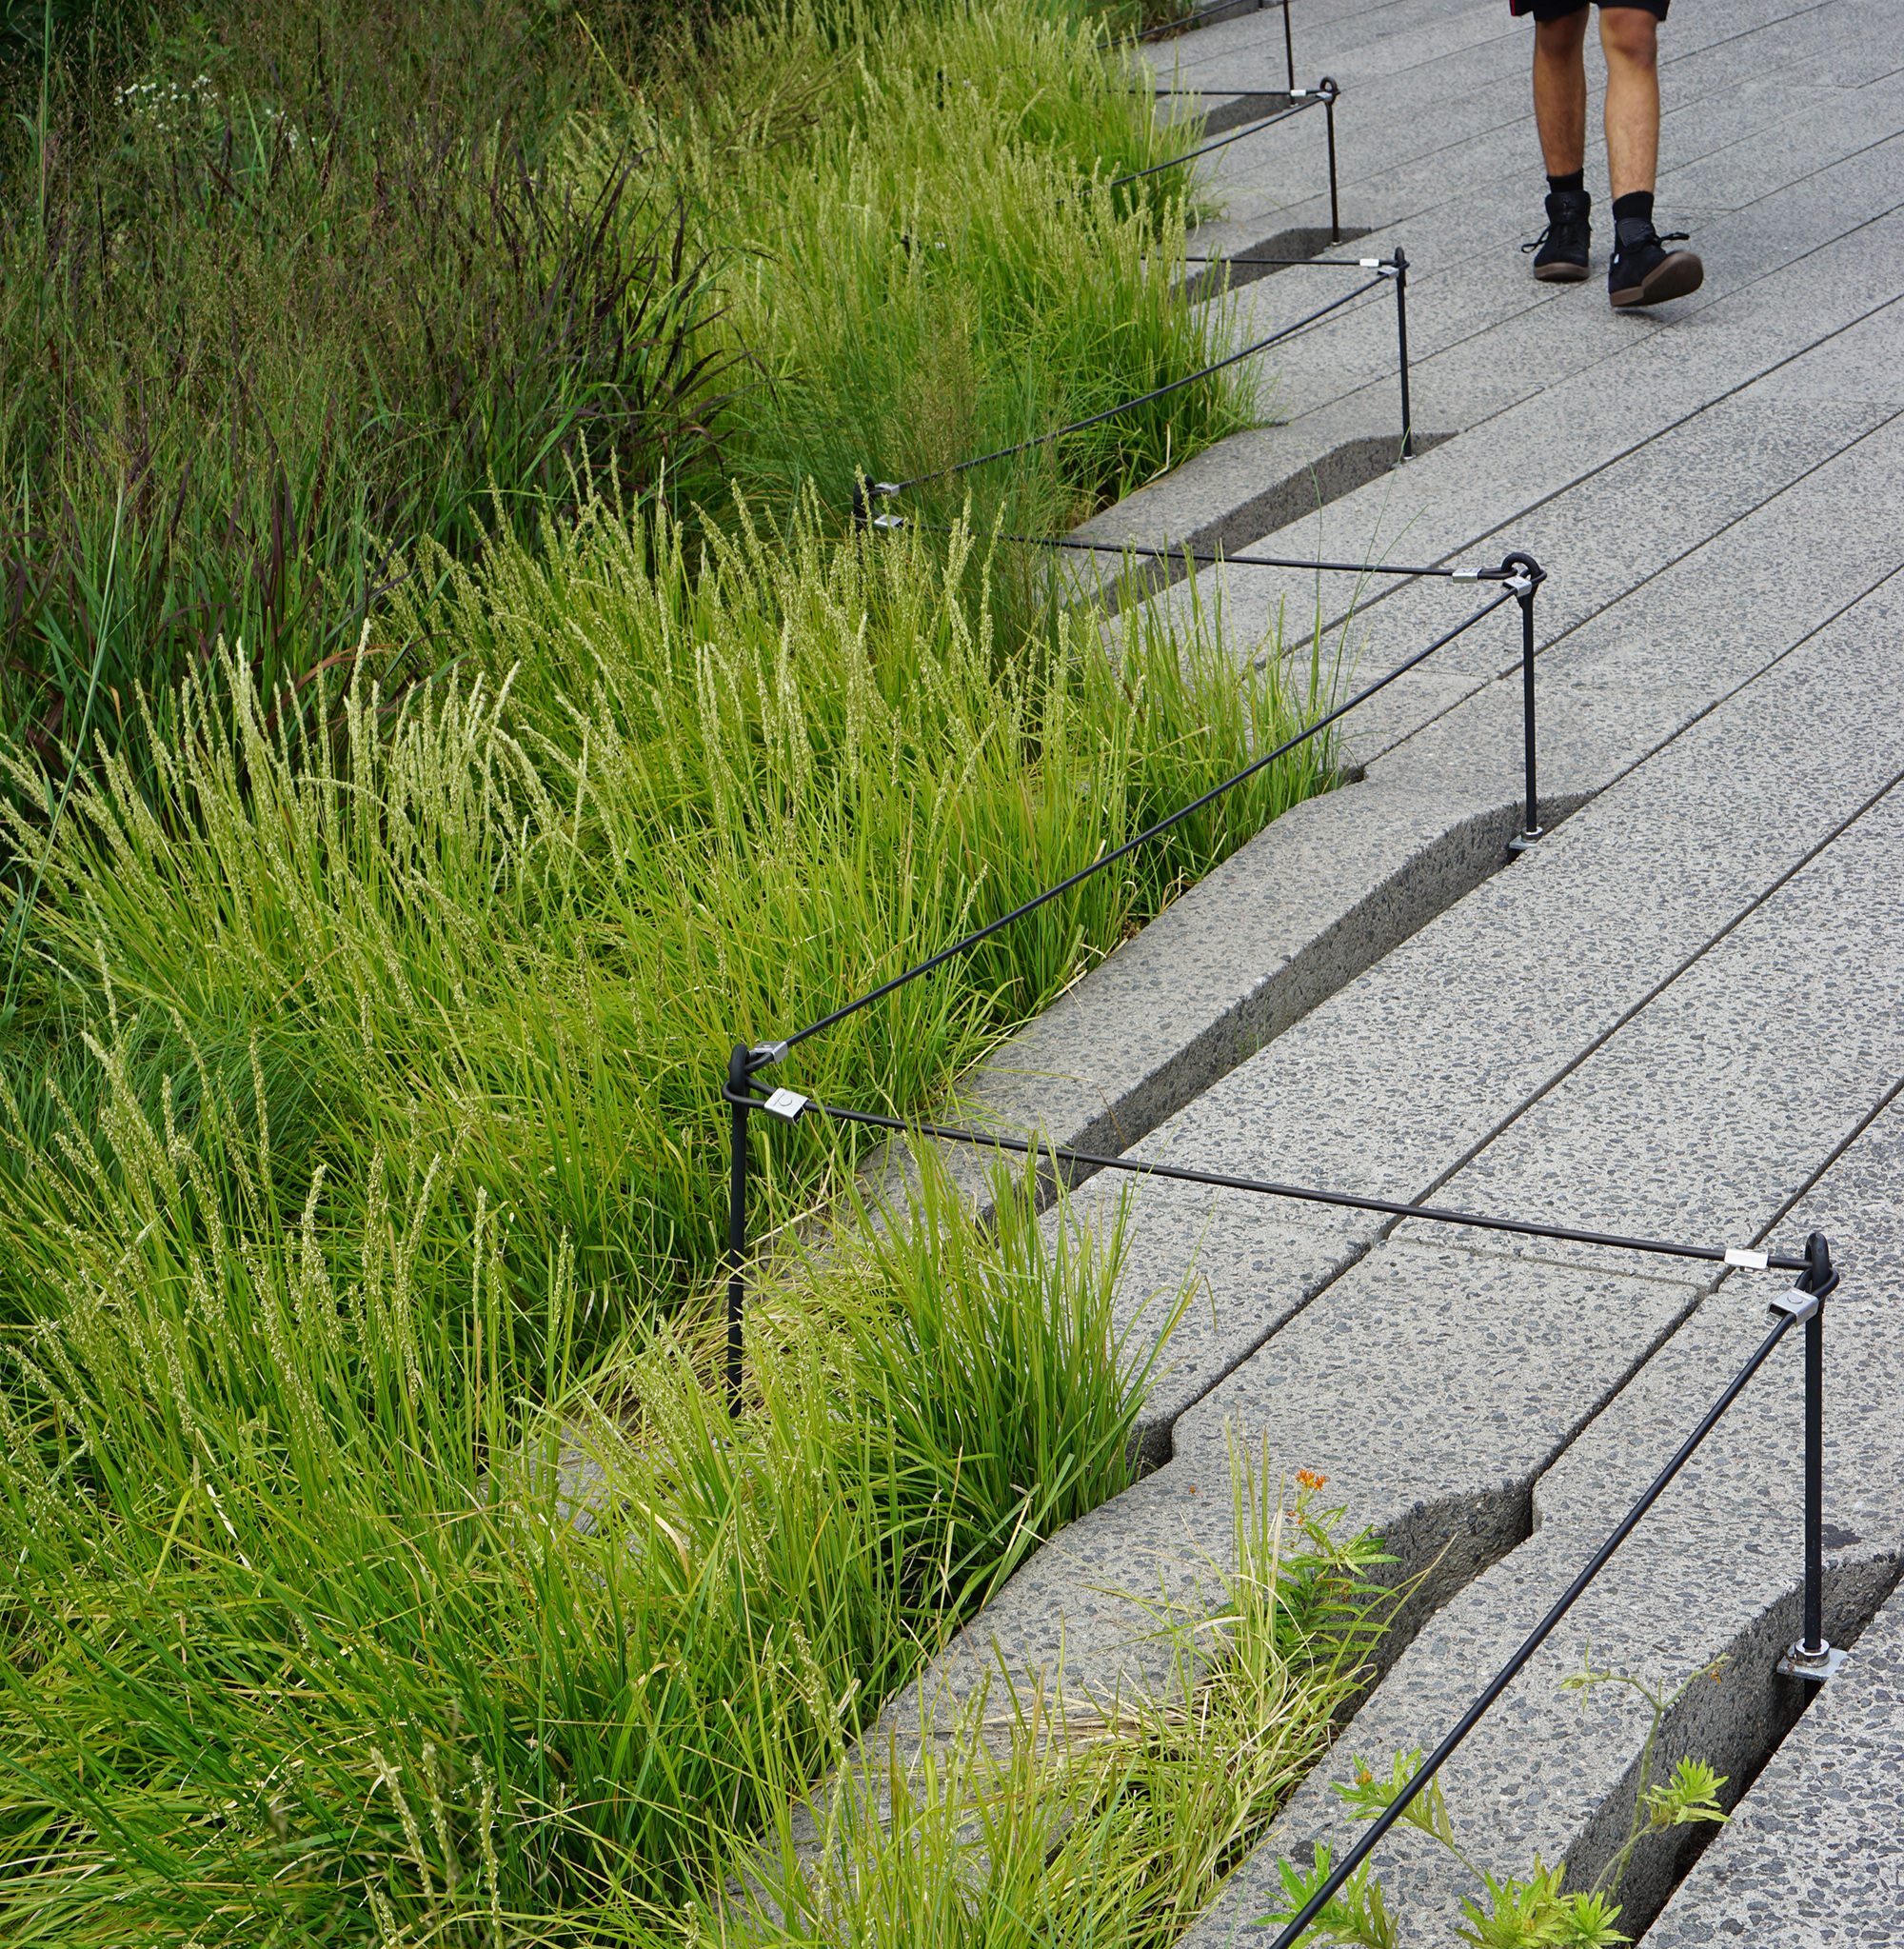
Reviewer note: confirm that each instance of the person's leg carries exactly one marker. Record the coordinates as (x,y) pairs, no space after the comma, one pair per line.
(1561,115)
(1630,36)
(1642,270)
(1560,91)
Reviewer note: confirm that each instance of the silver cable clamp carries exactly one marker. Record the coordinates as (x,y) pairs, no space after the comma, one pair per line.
(1797,1303)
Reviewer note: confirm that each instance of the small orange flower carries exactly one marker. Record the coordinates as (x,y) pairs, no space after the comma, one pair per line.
(1364,1777)
(1309,1479)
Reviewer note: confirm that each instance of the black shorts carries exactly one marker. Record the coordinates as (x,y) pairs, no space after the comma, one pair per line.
(1559,10)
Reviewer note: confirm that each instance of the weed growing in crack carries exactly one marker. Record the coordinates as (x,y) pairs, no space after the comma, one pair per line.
(1531,1913)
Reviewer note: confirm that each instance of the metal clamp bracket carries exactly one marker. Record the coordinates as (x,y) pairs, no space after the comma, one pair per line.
(765,1055)
(1797,1303)
(785,1103)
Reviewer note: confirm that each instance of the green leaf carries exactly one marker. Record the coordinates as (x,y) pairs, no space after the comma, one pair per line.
(1368,1797)
(1523,1915)
(1356,1914)
(1591,1917)
(1692,1794)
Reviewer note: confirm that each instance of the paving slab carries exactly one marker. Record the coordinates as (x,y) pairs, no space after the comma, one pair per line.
(1465,253)
(1715,1570)
(1577,403)
(1345,879)
(1789,994)
(1865,362)
(1608,534)
(1813,1856)
(1474,1028)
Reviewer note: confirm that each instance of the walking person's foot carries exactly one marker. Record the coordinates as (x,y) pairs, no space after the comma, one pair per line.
(1560,251)
(1643,272)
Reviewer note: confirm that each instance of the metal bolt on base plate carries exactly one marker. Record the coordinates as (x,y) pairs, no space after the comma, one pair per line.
(1812,1666)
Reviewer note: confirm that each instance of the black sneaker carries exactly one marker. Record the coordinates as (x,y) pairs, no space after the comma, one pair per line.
(1560,249)
(1643,272)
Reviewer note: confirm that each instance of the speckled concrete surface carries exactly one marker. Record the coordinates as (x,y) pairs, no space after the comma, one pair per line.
(1477,1040)
(1678,1014)
(1813,1856)
(1713,1569)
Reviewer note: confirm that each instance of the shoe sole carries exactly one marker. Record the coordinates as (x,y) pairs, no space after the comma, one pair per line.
(1563,273)
(1680,275)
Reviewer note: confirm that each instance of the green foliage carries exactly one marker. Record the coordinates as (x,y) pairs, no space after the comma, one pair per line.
(1358,1912)
(1530,1914)
(528,911)
(1692,1791)
(1522,1915)
(928,264)
(317,287)
(336,1610)
(1037,1822)
(398,834)
(287,338)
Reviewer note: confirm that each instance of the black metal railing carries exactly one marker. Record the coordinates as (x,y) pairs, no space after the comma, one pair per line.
(1325,94)
(1230,9)
(1518,578)
(1811,1660)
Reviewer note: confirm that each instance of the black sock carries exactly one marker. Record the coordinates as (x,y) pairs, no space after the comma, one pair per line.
(1636,202)
(1557,184)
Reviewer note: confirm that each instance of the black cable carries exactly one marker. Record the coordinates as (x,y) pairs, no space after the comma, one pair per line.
(1393,1812)
(888,489)
(1171,27)
(1183,812)
(1267,1188)
(1333,262)
(1234,561)
(1305,98)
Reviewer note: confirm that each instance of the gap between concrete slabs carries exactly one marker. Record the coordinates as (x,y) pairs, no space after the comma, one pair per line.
(1714,1572)
(1815,1847)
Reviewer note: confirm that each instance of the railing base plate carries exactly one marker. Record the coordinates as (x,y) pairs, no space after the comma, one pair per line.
(1815,1670)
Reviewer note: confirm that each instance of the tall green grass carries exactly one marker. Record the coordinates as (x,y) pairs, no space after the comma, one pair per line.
(934,267)
(289,335)
(1040,1821)
(307,1637)
(410,831)
(521,917)
(316,287)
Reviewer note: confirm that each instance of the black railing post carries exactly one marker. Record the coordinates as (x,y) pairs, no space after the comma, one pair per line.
(1813,1658)
(737,1219)
(1400,264)
(1812,1643)
(1328,90)
(1289,45)
(1525,584)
